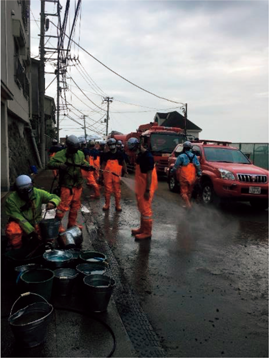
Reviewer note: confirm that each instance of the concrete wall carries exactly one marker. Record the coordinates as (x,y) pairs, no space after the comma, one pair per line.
(21,150)
(4,149)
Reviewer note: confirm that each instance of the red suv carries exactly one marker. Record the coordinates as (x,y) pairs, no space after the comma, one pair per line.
(226,173)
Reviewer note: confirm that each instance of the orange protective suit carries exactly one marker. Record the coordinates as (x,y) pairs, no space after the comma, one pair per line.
(96,164)
(90,177)
(144,206)
(112,183)
(69,198)
(15,234)
(187,177)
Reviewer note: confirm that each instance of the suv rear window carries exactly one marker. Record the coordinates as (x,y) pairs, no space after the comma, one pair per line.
(225,155)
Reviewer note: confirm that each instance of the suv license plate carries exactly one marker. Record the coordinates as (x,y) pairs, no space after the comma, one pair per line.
(255,190)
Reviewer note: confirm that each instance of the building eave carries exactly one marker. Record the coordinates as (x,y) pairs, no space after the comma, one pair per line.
(6,94)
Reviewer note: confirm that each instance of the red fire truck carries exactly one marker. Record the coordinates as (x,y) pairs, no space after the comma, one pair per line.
(160,140)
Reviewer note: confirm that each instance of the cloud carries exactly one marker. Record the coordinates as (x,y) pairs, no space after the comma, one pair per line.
(211,54)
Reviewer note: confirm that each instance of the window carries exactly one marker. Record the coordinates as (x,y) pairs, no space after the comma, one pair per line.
(225,155)
(165,143)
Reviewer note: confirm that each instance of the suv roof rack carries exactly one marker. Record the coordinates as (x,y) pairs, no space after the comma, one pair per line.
(209,141)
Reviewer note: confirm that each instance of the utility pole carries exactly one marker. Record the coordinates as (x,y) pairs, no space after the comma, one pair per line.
(108,100)
(186,116)
(84,117)
(42,84)
(58,73)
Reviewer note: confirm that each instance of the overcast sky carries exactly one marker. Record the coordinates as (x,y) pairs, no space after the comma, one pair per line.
(212,55)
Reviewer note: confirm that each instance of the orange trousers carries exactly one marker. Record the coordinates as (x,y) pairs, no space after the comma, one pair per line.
(112,182)
(69,201)
(15,234)
(187,178)
(144,206)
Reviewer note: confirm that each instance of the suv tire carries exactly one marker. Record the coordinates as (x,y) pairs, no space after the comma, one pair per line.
(208,194)
(172,182)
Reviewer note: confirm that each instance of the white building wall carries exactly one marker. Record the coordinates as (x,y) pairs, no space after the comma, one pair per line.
(12,10)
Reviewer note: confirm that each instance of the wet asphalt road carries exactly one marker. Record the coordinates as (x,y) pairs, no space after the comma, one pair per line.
(202,280)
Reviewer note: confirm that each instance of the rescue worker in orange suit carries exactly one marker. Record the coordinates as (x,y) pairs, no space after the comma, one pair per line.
(112,162)
(70,161)
(91,154)
(24,208)
(56,147)
(146,183)
(96,162)
(189,168)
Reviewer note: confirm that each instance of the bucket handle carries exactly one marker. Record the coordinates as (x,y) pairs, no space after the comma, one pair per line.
(24,295)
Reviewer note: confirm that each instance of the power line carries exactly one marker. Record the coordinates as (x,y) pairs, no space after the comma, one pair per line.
(101,91)
(86,95)
(90,84)
(125,79)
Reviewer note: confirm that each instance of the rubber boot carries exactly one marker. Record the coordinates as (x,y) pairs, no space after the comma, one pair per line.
(187,203)
(59,216)
(107,202)
(72,219)
(117,202)
(147,229)
(139,230)
(96,192)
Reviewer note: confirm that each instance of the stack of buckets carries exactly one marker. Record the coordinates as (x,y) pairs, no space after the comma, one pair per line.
(38,284)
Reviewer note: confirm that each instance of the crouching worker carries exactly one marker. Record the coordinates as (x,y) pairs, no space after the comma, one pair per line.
(70,161)
(24,209)
(146,182)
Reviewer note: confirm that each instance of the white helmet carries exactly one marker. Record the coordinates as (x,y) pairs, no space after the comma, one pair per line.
(187,145)
(24,186)
(91,143)
(72,142)
(23,181)
(133,144)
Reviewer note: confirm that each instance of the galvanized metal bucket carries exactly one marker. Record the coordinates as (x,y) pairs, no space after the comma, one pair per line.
(38,281)
(29,324)
(98,290)
(19,270)
(57,259)
(90,268)
(92,256)
(49,228)
(64,281)
(66,240)
(76,234)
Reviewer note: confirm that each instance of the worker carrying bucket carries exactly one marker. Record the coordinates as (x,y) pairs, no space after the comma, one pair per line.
(189,166)
(70,161)
(24,207)
(146,182)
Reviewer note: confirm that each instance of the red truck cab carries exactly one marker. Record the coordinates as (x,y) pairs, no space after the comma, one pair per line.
(226,173)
